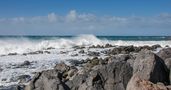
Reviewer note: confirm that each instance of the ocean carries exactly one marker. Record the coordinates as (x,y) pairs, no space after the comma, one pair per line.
(43,52)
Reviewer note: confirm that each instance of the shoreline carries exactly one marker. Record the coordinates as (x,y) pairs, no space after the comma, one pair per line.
(113,54)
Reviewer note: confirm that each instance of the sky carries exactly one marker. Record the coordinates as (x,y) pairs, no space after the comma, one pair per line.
(74,17)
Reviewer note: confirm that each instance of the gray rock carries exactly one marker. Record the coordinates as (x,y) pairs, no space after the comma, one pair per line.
(151,67)
(47,80)
(13,87)
(91,53)
(21,79)
(81,51)
(113,76)
(164,53)
(12,54)
(75,62)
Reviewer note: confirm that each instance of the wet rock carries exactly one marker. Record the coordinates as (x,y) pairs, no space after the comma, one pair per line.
(155,46)
(13,87)
(49,48)
(3,79)
(26,63)
(97,46)
(75,62)
(47,52)
(91,53)
(63,52)
(1,69)
(81,51)
(167,46)
(108,46)
(21,79)
(92,62)
(79,47)
(73,55)
(62,67)
(12,54)
(120,50)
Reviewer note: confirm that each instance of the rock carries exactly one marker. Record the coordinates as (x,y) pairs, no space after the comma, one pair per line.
(1,69)
(47,80)
(122,50)
(62,67)
(81,51)
(21,79)
(12,54)
(48,52)
(79,47)
(151,67)
(155,46)
(91,53)
(113,76)
(164,53)
(91,63)
(73,55)
(167,46)
(75,62)
(63,52)
(26,63)
(139,84)
(49,48)
(108,46)
(13,87)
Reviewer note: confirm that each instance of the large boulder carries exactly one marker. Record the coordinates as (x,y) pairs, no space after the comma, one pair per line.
(113,76)
(47,80)
(149,67)
(139,84)
(165,53)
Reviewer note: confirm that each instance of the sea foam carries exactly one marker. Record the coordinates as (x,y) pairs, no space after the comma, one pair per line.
(25,45)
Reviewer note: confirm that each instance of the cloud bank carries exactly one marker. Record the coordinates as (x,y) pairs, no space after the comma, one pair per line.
(86,23)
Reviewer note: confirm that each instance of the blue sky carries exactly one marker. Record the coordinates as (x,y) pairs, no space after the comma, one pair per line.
(73,17)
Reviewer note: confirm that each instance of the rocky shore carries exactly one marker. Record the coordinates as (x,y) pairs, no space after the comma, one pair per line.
(123,68)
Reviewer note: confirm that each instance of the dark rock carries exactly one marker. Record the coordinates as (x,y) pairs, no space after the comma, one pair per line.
(108,46)
(63,52)
(79,47)
(47,80)
(75,62)
(81,51)
(12,54)
(167,46)
(155,46)
(62,67)
(149,67)
(47,52)
(13,87)
(21,79)
(49,48)
(26,63)
(91,53)
(73,55)
(113,76)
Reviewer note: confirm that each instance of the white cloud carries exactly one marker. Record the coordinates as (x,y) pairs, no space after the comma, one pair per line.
(85,23)
(52,17)
(72,16)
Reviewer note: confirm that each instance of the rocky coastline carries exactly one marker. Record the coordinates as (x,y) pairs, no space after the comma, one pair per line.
(124,68)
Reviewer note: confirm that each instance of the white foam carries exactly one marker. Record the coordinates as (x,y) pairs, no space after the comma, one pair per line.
(24,45)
